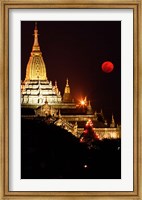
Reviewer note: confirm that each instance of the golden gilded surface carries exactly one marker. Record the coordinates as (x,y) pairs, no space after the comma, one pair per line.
(36,89)
(67,88)
(67,94)
(36,69)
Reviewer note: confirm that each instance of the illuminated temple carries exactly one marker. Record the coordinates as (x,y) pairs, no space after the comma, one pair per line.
(41,97)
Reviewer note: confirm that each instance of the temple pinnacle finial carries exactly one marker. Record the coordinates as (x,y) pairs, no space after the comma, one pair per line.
(36,69)
(56,83)
(67,82)
(67,88)
(36,47)
(113,119)
(89,108)
(56,87)
(67,95)
(112,125)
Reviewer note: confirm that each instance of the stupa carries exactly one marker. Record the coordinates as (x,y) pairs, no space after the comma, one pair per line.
(36,89)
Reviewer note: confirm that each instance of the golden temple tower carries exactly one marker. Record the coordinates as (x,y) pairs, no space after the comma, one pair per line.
(36,69)
(36,89)
(67,94)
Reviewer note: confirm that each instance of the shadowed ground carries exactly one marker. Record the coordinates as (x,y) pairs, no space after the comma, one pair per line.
(50,152)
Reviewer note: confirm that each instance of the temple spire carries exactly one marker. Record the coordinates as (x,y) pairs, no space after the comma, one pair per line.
(89,108)
(67,82)
(67,88)
(36,47)
(67,95)
(112,125)
(56,88)
(36,69)
(113,119)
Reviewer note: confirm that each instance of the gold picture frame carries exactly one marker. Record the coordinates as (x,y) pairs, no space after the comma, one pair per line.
(4,134)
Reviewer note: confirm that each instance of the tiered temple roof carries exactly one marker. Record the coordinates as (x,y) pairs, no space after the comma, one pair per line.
(36,89)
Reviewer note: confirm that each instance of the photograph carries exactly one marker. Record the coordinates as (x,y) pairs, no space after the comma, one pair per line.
(70,99)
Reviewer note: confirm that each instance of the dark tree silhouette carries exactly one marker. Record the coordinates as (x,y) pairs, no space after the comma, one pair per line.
(50,152)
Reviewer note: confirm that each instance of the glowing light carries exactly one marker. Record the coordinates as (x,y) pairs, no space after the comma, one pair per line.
(96,135)
(85,131)
(89,123)
(85,166)
(82,102)
(81,140)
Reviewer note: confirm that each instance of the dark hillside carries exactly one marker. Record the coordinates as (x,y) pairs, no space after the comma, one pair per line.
(48,151)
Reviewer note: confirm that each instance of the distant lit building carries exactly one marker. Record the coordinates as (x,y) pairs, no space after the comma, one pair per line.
(44,99)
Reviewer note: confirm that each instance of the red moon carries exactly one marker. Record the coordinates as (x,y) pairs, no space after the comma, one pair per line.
(107,66)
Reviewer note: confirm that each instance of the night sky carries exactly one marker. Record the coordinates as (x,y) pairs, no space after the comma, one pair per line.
(76,50)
